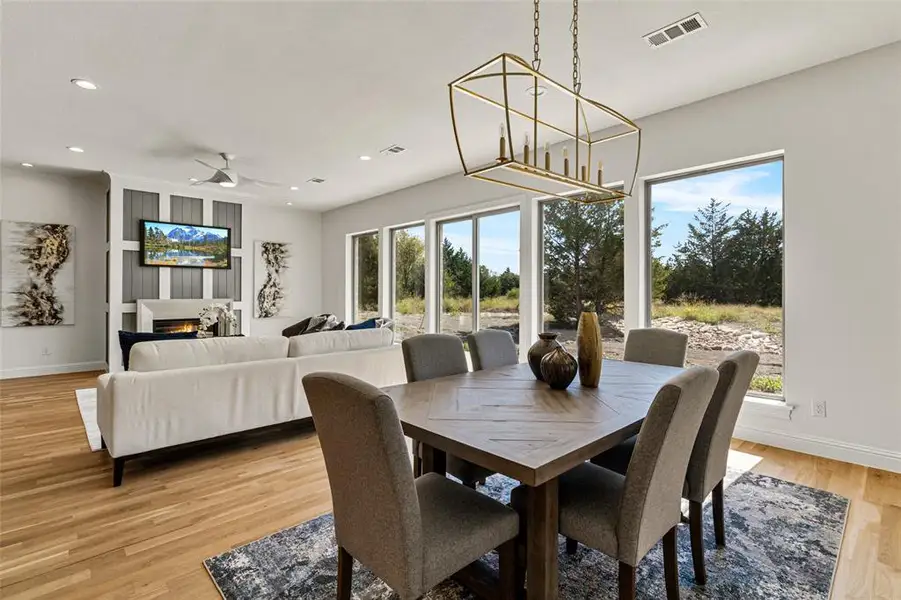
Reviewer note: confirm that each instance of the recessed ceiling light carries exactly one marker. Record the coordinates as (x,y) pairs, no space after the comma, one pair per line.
(533,90)
(29,165)
(294,188)
(228,184)
(289,203)
(75,149)
(364,157)
(84,84)
(192,179)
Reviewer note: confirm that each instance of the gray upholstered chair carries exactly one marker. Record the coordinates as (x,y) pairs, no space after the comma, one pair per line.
(412,534)
(656,346)
(707,467)
(491,348)
(624,516)
(429,356)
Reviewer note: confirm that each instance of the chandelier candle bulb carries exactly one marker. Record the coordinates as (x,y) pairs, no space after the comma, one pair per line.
(566,162)
(547,156)
(525,152)
(584,173)
(600,174)
(502,155)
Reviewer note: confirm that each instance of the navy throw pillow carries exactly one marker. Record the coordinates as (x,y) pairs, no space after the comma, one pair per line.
(127,339)
(367,324)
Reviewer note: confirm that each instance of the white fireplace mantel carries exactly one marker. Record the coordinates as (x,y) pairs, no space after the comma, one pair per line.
(150,310)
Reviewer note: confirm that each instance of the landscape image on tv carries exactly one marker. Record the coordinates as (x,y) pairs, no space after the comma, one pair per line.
(179,245)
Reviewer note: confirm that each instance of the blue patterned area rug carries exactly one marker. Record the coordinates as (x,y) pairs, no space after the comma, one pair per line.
(772,526)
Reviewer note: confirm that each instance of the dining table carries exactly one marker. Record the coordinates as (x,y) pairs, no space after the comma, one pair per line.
(507,421)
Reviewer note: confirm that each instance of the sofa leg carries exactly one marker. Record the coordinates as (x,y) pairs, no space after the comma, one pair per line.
(102,443)
(118,470)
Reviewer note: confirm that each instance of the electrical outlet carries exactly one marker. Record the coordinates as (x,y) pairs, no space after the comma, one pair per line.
(818,409)
(45,351)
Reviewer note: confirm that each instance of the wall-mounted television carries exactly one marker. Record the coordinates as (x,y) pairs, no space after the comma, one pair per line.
(183,245)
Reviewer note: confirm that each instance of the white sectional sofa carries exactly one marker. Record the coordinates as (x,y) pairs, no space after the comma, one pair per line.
(184,391)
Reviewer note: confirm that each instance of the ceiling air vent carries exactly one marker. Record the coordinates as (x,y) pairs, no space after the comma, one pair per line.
(679,29)
(315,180)
(393,149)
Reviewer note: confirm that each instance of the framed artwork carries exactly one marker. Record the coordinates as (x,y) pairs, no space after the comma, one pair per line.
(37,269)
(270,267)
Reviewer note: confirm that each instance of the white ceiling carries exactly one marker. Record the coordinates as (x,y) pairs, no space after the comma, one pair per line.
(300,90)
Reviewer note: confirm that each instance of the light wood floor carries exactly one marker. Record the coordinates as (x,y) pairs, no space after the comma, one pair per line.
(65,533)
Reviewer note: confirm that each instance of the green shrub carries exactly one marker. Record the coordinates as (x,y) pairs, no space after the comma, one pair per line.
(770,384)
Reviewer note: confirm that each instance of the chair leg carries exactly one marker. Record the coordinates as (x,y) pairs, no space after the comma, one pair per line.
(118,470)
(417,466)
(696,526)
(719,521)
(626,582)
(572,546)
(671,565)
(345,573)
(512,577)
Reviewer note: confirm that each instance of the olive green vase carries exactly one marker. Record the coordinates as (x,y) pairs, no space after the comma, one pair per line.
(590,349)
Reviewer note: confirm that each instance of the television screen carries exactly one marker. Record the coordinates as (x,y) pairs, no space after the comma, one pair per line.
(180,245)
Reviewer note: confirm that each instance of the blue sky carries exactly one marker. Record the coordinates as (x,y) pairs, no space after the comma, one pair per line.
(498,240)
(675,202)
(167,227)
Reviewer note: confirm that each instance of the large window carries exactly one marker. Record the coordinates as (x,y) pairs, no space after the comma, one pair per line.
(716,265)
(365,276)
(483,249)
(408,274)
(582,267)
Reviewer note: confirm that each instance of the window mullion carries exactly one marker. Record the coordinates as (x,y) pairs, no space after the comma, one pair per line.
(475,274)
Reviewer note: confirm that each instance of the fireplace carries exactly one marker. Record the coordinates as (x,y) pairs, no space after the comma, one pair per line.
(175,325)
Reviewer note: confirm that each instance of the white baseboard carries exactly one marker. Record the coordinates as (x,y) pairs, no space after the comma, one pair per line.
(825,447)
(39,370)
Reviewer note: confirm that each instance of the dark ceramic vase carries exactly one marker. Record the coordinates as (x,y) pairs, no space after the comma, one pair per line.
(559,368)
(547,341)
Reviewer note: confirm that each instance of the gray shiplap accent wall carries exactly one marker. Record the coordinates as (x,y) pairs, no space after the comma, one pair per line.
(227,282)
(186,282)
(228,214)
(186,210)
(138,205)
(138,282)
(129,322)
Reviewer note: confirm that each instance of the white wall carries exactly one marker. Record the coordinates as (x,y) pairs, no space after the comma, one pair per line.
(304,277)
(30,195)
(839,125)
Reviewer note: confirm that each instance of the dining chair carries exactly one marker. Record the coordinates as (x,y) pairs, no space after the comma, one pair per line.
(656,346)
(707,465)
(429,356)
(411,533)
(624,516)
(491,348)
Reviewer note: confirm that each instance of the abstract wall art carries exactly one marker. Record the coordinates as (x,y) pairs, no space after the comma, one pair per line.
(269,271)
(37,268)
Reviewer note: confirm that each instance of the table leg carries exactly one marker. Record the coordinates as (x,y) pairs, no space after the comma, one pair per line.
(433,460)
(542,518)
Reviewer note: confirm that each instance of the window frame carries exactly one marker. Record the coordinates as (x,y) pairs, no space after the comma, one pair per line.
(539,273)
(646,296)
(392,266)
(476,283)
(355,273)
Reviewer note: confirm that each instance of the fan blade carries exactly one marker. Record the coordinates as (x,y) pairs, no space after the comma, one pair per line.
(208,165)
(260,182)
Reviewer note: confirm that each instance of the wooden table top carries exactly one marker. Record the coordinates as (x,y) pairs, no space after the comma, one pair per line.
(505,420)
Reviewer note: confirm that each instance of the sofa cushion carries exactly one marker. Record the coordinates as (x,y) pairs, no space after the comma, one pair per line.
(329,342)
(127,339)
(162,356)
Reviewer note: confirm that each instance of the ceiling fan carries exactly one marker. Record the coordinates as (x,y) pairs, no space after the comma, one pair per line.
(228,177)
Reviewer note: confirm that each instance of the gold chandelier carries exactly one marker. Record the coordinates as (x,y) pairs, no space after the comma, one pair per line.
(545,110)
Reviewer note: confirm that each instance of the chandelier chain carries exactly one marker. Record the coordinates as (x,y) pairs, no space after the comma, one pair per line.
(577,62)
(536,59)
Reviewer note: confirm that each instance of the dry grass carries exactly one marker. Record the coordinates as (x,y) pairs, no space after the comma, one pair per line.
(454,306)
(763,318)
